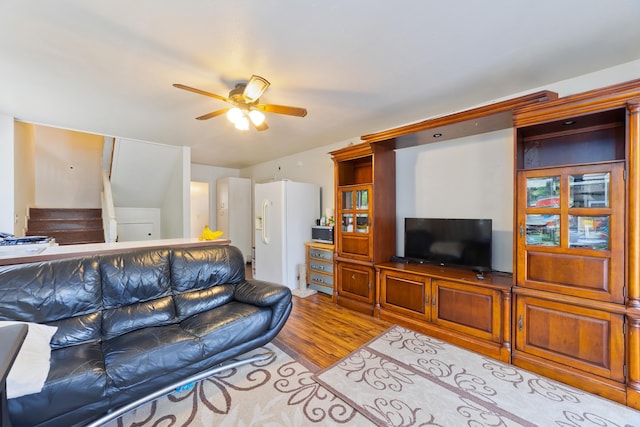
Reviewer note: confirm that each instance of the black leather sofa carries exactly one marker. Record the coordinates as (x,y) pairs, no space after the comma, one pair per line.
(131,323)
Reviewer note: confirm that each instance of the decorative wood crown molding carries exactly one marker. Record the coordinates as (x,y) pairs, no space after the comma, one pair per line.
(482,119)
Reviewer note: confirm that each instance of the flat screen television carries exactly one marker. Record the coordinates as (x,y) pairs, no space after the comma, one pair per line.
(454,242)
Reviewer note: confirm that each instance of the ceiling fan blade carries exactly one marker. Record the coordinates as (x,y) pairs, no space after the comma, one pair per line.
(282,109)
(255,88)
(201,92)
(213,114)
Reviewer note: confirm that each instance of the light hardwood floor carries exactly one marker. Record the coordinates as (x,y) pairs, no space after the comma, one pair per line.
(323,332)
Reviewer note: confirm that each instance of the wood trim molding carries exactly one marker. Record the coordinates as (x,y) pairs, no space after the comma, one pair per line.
(351,152)
(475,116)
(633,208)
(609,97)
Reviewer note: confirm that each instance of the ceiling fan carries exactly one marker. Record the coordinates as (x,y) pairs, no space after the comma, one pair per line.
(246,108)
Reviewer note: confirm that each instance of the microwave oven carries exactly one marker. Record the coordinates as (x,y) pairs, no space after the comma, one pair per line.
(322,233)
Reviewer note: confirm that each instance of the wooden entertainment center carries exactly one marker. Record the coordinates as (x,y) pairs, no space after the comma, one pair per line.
(450,304)
(571,310)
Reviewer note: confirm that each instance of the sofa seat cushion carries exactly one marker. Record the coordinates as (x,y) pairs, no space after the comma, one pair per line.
(148,353)
(227,326)
(76,378)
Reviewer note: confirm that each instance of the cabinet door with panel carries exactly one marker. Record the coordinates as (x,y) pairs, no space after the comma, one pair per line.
(463,310)
(583,338)
(405,293)
(571,231)
(469,309)
(355,281)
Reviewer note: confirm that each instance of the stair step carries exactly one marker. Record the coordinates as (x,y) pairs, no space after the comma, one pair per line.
(75,237)
(67,226)
(65,213)
(44,226)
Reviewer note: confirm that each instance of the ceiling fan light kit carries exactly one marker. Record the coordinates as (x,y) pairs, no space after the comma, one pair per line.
(255,88)
(257,118)
(246,110)
(240,118)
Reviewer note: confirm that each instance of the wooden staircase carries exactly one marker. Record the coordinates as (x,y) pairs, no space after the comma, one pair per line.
(66,226)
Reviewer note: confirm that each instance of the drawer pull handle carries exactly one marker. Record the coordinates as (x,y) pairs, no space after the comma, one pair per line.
(520,323)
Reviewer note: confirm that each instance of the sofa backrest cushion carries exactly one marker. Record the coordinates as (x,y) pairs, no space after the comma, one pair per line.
(136,291)
(63,293)
(205,278)
(100,297)
(77,330)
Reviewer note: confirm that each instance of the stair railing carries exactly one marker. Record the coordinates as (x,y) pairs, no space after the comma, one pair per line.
(109,222)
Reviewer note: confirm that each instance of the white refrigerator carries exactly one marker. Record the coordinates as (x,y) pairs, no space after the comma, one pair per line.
(285,211)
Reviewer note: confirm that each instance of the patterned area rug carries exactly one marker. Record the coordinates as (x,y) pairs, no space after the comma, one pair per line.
(277,392)
(401,378)
(404,378)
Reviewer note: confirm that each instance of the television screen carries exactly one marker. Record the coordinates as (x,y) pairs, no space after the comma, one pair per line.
(452,242)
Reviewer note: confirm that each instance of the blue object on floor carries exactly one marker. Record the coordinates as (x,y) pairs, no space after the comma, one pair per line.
(185,387)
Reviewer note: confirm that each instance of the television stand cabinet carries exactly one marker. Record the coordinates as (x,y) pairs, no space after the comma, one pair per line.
(450,304)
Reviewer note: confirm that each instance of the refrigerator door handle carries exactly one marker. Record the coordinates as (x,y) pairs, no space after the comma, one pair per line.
(265,222)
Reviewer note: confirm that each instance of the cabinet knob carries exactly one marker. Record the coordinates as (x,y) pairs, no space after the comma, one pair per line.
(520,323)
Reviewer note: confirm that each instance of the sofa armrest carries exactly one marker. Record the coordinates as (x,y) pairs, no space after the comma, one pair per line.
(11,339)
(265,294)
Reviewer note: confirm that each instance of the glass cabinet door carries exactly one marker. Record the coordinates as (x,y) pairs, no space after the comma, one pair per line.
(542,227)
(355,220)
(586,194)
(590,191)
(347,215)
(355,217)
(362,211)
(570,225)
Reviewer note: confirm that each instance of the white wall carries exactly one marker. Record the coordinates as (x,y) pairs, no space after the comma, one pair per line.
(210,175)
(200,207)
(176,220)
(139,175)
(139,224)
(6,174)
(68,168)
(25,175)
(148,175)
(465,178)
(312,166)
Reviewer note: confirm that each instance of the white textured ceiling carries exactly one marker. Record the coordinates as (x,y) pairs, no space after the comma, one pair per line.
(358,66)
